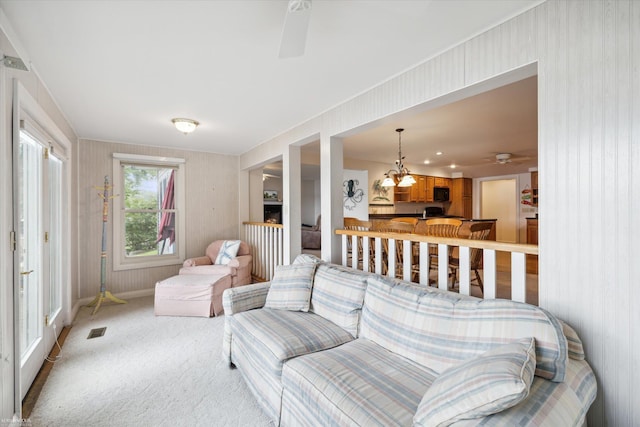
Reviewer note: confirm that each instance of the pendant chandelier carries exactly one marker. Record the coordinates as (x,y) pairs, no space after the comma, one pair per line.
(399,176)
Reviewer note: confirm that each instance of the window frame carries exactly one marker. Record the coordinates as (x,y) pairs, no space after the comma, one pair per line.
(120,259)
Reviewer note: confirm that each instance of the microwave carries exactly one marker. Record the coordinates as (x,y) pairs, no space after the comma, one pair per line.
(440,194)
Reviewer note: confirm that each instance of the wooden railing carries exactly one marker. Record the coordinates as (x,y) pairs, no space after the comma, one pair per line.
(266,242)
(372,243)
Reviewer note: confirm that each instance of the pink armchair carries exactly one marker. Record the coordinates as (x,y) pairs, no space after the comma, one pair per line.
(239,267)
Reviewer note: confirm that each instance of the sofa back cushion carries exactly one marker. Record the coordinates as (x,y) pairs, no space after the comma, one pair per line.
(440,329)
(337,295)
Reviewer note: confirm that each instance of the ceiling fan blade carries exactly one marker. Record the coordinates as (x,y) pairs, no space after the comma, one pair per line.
(294,32)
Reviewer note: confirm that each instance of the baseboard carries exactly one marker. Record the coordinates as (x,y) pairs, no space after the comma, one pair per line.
(123,295)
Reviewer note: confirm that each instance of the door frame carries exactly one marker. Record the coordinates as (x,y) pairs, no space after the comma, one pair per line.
(26,106)
(477,204)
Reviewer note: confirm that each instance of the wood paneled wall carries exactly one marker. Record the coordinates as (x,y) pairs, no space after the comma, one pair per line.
(211,203)
(588,59)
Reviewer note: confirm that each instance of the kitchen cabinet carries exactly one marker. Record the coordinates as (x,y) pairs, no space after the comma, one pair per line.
(534,187)
(402,194)
(442,182)
(419,189)
(532,231)
(422,190)
(461,197)
(429,184)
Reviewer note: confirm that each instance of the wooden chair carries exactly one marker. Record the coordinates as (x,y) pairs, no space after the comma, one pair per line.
(408,220)
(392,226)
(356,225)
(440,227)
(478,231)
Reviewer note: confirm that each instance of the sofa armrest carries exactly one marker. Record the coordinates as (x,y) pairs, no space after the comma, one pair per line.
(237,300)
(192,262)
(243,298)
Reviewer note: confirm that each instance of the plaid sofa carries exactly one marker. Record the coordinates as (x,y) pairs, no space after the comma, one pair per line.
(370,348)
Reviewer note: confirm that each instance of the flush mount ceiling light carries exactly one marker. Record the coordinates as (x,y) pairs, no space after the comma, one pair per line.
(185,125)
(399,176)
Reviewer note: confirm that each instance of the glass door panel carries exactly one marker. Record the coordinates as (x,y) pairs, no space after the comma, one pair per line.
(30,249)
(55,237)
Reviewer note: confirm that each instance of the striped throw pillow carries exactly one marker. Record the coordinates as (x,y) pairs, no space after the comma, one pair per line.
(291,287)
(490,383)
(228,251)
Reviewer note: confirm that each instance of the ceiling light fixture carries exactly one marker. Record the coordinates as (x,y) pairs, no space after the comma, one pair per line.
(399,176)
(185,125)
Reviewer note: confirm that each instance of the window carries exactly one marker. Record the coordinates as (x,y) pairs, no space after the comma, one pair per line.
(149,217)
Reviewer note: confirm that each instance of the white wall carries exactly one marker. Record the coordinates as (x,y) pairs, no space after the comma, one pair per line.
(211,204)
(587,56)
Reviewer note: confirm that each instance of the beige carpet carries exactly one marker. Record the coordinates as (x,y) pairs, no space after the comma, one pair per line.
(145,371)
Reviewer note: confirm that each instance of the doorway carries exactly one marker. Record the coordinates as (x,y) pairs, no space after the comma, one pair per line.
(498,199)
(41,243)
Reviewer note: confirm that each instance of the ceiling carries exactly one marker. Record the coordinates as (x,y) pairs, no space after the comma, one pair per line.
(468,133)
(121,70)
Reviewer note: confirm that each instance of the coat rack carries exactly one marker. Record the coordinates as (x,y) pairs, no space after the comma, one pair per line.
(104,294)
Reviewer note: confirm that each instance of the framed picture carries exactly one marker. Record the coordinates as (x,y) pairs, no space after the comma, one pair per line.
(270,195)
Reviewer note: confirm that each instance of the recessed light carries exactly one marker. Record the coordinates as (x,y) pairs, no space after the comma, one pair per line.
(453,166)
(439,153)
(426,162)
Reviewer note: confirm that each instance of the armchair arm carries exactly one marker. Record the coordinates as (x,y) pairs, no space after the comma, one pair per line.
(240,261)
(237,300)
(201,260)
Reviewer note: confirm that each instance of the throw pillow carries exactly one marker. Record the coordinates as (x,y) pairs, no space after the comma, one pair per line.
(228,251)
(291,287)
(496,380)
(306,258)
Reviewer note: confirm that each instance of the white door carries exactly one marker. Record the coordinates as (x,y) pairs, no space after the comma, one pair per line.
(38,251)
(30,253)
(499,199)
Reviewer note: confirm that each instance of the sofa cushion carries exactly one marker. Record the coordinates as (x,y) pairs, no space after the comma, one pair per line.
(574,343)
(228,251)
(304,258)
(496,380)
(278,335)
(337,295)
(291,287)
(358,383)
(441,329)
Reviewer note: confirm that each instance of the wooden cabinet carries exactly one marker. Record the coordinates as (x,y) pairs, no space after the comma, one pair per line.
(532,231)
(429,188)
(419,189)
(422,190)
(461,197)
(402,194)
(534,188)
(442,182)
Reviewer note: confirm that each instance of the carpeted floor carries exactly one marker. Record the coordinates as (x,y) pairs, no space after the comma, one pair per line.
(145,371)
